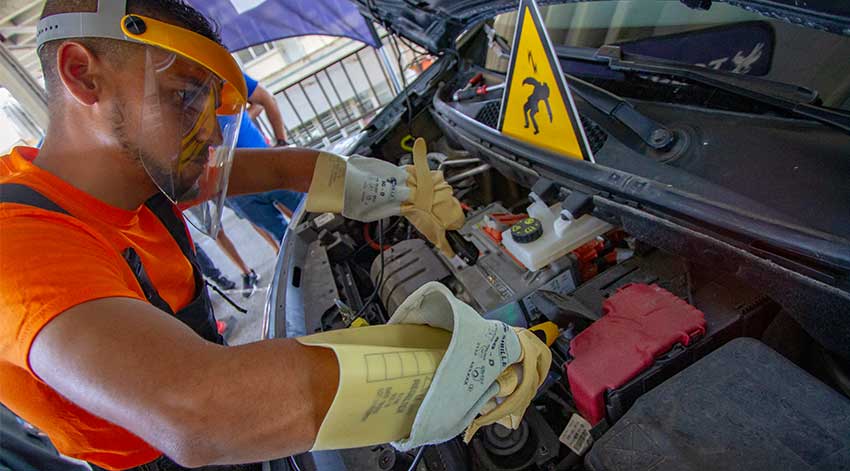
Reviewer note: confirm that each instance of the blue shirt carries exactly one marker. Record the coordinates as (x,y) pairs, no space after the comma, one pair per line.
(249,135)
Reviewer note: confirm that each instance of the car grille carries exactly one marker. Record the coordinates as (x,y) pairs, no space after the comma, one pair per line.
(489,116)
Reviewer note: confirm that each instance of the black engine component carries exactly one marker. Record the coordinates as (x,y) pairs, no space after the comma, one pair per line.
(743,407)
(497,448)
(527,231)
(464,249)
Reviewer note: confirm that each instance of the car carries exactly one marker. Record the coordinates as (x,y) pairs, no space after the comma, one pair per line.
(703,307)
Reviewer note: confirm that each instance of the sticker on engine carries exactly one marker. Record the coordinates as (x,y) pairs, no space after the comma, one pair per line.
(577,435)
(323,219)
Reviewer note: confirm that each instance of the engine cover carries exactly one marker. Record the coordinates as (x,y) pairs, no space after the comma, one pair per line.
(640,323)
(407,266)
(743,407)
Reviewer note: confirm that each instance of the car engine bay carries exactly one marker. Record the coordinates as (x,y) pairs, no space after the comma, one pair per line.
(356,274)
(662,351)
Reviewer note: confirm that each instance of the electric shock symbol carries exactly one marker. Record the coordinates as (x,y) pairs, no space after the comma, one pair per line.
(531,60)
(532,105)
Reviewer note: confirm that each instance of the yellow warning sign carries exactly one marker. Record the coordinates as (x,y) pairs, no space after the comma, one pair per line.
(537,106)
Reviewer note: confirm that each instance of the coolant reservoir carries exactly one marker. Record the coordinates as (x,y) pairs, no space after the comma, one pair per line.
(538,245)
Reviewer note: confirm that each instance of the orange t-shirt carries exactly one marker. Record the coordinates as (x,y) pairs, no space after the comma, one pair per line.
(50,262)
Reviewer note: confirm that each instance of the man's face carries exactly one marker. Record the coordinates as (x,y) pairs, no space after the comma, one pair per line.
(165,118)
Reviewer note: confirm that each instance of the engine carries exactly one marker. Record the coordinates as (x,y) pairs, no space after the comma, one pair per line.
(527,256)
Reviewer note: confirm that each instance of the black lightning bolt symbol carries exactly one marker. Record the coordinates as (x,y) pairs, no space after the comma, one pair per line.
(533,65)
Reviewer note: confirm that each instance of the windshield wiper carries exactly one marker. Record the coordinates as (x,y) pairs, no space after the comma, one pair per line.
(790,98)
(650,131)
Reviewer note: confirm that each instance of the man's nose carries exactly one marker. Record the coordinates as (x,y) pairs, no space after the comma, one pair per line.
(217,137)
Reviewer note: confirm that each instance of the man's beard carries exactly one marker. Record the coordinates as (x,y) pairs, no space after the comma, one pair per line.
(176,185)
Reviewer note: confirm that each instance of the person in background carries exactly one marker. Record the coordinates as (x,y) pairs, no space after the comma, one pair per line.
(268,212)
(250,278)
(260,100)
(211,271)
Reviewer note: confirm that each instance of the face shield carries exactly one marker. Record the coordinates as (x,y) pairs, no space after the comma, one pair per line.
(184,119)
(188,128)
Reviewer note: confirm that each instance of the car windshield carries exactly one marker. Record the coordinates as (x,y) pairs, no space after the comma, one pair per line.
(725,37)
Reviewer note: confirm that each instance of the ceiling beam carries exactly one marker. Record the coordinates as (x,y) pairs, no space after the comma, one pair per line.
(17,29)
(29,46)
(23,87)
(13,10)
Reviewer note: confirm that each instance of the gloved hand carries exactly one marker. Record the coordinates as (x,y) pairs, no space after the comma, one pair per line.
(384,372)
(367,189)
(486,362)
(514,395)
(425,376)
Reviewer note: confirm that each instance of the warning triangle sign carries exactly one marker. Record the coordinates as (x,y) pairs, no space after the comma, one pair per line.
(537,106)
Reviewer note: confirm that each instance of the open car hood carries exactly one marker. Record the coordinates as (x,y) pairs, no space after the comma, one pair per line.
(435,24)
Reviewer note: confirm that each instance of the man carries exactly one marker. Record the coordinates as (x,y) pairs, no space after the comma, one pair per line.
(107,340)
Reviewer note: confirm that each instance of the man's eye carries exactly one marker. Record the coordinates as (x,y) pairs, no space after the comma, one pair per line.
(180,96)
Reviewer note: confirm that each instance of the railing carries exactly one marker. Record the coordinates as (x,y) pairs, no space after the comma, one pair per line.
(340,99)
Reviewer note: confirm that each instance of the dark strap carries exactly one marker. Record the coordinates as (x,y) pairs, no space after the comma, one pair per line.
(151,294)
(163,208)
(198,313)
(22,194)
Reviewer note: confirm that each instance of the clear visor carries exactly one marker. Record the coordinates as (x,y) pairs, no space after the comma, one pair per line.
(191,125)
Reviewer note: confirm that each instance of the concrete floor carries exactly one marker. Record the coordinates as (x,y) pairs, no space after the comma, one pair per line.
(257,254)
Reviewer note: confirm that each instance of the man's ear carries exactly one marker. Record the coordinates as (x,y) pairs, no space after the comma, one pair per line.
(77,67)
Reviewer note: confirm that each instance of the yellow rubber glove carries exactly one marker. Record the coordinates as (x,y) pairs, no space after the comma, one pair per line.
(484,359)
(426,375)
(385,372)
(517,385)
(366,189)
(432,207)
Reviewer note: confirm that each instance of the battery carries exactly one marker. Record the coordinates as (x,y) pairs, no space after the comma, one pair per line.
(640,324)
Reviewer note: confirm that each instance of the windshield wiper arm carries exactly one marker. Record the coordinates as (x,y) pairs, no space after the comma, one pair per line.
(650,131)
(790,98)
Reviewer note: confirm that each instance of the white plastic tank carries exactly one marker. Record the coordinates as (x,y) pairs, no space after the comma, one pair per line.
(549,246)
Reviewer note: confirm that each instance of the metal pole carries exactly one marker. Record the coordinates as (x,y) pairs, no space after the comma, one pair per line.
(469,173)
(24,88)
(387,66)
(368,80)
(297,114)
(330,105)
(315,113)
(336,92)
(351,84)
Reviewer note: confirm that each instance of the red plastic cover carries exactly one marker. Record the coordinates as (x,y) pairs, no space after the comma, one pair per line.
(639,323)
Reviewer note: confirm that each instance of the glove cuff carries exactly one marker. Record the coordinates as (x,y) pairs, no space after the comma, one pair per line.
(384,374)
(327,189)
